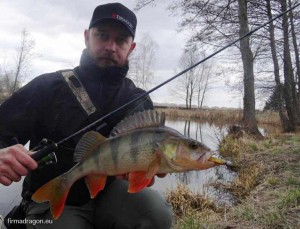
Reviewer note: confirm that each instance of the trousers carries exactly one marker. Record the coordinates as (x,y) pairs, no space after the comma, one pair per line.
(115,208)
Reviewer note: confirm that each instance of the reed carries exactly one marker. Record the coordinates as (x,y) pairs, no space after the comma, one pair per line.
(220,115)
(203,115)
(186,202)
(192,210)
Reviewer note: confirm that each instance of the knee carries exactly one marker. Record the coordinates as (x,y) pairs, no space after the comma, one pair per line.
(162,218)
(159,214)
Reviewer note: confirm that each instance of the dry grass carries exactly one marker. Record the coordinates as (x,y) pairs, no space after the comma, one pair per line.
(216,116)
(192,210)
(220,115)
(267,186)
(186,202)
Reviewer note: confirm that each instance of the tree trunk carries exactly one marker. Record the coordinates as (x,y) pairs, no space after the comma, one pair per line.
(288,73)
(249,119)
(191,94)
(291,16)
(204,91)
(19,66)
(187,97)
(279,89)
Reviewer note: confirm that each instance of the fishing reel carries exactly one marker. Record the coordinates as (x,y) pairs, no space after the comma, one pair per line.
(45,153)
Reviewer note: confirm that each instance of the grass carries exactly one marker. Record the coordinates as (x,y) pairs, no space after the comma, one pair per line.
(192,210)
(290,199)
(293,181)
(211,115)
(220,115)
(186,202)
(267,187)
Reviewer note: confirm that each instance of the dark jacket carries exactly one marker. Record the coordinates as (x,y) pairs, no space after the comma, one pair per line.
(46,108)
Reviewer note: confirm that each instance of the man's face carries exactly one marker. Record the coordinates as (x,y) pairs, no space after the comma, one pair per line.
(109,44)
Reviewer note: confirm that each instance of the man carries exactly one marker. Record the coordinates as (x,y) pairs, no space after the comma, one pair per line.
(48,107)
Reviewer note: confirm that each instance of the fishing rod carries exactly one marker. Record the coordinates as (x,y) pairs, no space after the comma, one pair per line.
(50,147)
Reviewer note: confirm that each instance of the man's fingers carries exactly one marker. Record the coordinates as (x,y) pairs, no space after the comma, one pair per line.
(123,176)
(12,175)
(161,175)
(14,163)
(9,173)
(5,181)
(19,168)
(23,156)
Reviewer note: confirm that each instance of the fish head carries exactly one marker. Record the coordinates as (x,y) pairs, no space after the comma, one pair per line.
(184,154)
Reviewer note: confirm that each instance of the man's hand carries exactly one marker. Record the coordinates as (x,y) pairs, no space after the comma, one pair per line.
(15,162)
(126,176)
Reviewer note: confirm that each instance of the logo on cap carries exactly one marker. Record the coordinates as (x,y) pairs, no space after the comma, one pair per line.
(118,17)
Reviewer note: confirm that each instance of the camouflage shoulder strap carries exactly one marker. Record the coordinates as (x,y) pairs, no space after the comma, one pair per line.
(78,91)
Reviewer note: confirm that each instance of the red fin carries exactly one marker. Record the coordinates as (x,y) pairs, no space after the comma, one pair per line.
(95,184)
(138,181)
(56,192)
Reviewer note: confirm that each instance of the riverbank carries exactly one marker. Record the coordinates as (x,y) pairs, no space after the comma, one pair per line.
(219,115)
(267,188)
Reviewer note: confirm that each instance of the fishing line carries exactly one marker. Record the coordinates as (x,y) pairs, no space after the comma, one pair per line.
(175,76)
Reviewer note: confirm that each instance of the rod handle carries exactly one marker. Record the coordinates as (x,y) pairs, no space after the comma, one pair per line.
(40,154)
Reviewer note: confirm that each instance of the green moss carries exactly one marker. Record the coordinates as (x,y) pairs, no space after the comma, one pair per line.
(290,199)
(272,181)
(293,181)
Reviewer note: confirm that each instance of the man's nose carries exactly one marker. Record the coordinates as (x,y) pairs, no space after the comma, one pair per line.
(110,46)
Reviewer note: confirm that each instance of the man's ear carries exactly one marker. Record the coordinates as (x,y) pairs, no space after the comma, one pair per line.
(86,37)
(132,47)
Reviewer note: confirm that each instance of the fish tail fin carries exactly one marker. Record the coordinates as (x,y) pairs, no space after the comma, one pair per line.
(56,192)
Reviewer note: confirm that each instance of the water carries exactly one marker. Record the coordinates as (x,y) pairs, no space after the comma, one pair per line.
(196,181)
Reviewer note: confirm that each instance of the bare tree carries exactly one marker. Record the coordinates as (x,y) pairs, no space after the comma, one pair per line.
(142,61)
(249,119)
(203,84)
(12,79)
(290,95)
(279,88)
(194,83)
(296,49)
(6,80)
(215,22)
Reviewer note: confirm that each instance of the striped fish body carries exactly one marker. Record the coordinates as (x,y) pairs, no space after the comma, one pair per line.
(121,154)
(140,145)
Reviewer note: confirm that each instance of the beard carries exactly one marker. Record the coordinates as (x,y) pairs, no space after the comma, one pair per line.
(106,60)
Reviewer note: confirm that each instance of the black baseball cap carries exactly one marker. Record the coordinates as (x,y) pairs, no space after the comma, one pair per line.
(115,11)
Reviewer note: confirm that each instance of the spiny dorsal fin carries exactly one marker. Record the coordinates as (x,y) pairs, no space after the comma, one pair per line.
(139,120)
(87,144)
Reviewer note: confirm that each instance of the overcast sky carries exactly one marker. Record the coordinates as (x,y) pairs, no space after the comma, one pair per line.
(57,27)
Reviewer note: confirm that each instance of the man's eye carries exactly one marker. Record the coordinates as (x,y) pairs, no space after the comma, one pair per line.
(121,40)
(102,36)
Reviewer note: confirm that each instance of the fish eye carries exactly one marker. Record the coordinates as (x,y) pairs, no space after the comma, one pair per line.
(193,145)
